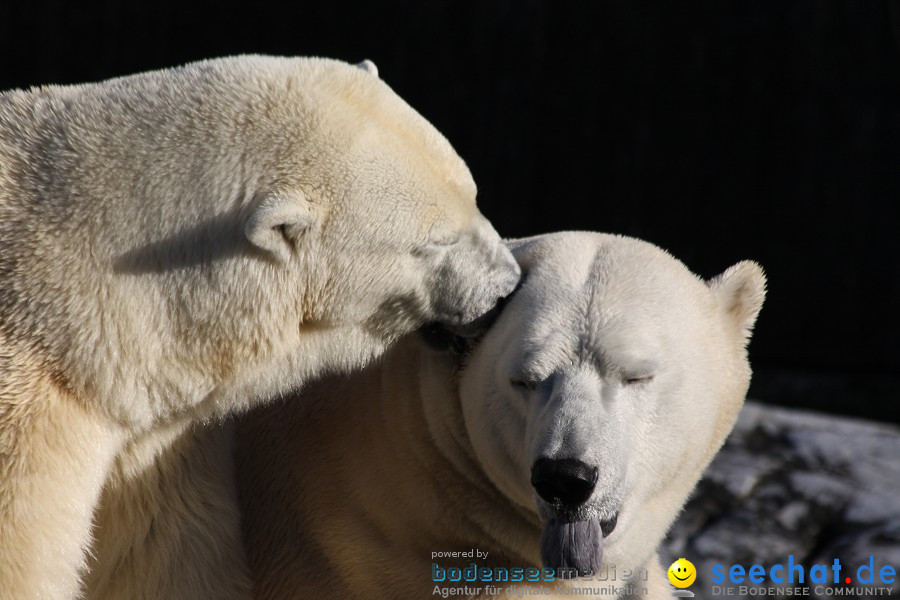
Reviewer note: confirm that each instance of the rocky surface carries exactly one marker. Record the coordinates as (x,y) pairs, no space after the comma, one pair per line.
(796,483)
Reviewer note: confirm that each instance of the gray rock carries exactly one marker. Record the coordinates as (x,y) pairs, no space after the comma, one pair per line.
(788,482)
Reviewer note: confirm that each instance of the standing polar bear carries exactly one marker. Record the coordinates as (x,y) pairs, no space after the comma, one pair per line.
(178,244)
(569,438)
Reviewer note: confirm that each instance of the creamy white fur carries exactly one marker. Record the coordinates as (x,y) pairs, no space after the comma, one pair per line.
(612,352)
(177,244)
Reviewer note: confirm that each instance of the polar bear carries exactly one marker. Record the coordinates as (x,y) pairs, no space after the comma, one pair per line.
(179,244)
(567,440)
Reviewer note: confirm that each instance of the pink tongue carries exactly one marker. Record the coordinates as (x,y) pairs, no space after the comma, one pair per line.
(575,545)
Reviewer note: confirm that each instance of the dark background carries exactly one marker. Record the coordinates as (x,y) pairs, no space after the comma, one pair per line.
(717,130)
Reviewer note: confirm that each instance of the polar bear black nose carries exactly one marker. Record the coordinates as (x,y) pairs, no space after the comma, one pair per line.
(567,482)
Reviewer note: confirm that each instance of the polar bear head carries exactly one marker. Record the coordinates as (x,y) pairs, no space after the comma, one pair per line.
(605,387)
(375,202)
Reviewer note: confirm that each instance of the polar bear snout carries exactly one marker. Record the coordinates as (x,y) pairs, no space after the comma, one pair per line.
(496,270)
(472,279)
(564,483)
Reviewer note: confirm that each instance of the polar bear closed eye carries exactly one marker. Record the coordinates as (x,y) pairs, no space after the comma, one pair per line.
(178,244)
(568,439)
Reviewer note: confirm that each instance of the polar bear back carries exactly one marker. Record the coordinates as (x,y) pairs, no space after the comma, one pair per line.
(109,139)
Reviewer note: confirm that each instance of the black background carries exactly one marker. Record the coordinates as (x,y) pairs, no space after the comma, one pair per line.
(717,130)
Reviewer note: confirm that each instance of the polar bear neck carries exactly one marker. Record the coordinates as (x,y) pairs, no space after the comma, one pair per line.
(420,419)
(375,493)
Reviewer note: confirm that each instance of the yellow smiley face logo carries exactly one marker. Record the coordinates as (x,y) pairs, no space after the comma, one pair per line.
(682,573)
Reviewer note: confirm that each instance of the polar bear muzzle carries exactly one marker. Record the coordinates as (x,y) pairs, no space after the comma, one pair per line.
(473,277)
(568,542)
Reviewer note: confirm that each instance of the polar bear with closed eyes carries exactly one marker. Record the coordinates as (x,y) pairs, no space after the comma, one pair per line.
(180,244)
(568,439)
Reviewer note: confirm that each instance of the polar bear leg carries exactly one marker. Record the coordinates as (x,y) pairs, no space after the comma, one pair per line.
(54,458)
(168,524)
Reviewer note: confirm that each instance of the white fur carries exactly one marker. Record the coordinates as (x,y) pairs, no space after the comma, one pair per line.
(434,458)
(177,244)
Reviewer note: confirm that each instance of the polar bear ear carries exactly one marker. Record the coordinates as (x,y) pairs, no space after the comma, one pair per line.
(277,222)
(368,66)
(740,292)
